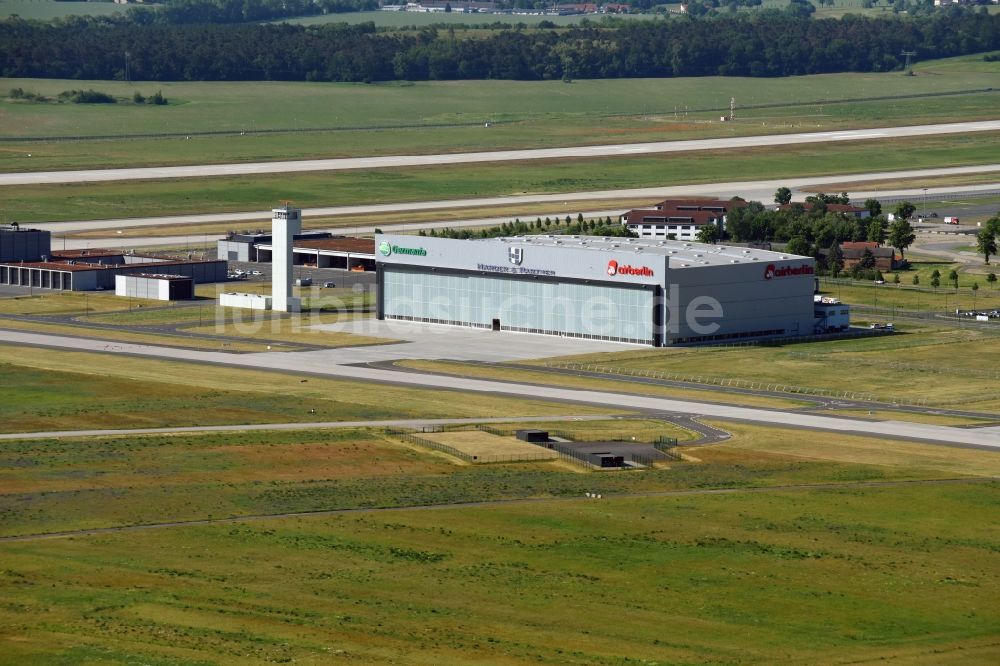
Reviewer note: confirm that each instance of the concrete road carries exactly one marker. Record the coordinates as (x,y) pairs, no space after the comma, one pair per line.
(615,150)
(319,364)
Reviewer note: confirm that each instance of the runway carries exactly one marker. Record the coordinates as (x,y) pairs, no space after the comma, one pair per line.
(390,161)
(325,363)
(760,190)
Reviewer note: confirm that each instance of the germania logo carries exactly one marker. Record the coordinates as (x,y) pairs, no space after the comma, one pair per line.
(785,271)
(614,268)
(385,249)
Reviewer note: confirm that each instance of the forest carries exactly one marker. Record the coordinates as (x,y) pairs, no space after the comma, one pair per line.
(766,44)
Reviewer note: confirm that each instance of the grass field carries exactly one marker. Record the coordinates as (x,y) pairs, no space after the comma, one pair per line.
(953,368)
(73,390)
(88,482)
(485,445)
(900,574)
(426,117)
(863,450)
(88,201)
(45,10)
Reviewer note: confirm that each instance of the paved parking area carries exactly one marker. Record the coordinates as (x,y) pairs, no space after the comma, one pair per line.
(10,291)
(457,343)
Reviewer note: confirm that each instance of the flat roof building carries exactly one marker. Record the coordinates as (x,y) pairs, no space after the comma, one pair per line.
(644,291)
(316,249)
(88,270)
(680,219)
(20,244)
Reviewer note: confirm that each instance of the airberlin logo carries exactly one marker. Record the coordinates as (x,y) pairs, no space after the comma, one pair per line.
(785,271)
(614,268)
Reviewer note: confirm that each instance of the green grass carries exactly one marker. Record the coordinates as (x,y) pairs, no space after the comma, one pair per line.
(530,114)
(83,201)
(923,297)
(896,574)
(74,390)
(46,10)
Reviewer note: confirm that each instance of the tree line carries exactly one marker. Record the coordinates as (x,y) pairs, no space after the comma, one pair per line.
(768,44)
(812,229)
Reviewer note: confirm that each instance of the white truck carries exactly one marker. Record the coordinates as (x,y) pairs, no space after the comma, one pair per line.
(951,220)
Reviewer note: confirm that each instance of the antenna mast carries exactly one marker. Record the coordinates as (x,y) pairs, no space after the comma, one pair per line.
(908,54)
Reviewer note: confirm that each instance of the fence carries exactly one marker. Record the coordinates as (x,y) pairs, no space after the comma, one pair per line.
(723,382)
(663,446)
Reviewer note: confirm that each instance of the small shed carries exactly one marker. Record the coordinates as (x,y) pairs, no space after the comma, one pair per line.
(533,436)
(155,286)
(607,460)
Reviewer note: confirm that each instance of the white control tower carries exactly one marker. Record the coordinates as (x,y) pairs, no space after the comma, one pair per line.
(285,223)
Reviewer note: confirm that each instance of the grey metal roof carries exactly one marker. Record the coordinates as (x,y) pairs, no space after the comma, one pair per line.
(682,254)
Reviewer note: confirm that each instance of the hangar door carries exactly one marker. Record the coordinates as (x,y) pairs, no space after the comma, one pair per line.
(603,311)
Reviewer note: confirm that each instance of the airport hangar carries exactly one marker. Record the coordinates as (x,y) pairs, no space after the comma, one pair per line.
(643,291)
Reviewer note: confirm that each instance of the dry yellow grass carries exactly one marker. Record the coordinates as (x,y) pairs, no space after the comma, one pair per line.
(484,445)
(865,450)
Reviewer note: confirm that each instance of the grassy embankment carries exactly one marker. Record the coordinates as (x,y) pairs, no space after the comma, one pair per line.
(521,114)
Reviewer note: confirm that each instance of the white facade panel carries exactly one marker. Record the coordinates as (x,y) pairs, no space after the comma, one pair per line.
(247,301)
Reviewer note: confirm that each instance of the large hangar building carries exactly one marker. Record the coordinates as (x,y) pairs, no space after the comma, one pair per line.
(644,291)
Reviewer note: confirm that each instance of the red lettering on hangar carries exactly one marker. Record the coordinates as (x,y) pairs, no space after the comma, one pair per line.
(614,268)
(786,271)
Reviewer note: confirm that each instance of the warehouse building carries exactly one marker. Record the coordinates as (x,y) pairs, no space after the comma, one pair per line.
(19,244)
(314,249)
(33,264)
(653,292)
(244,246)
